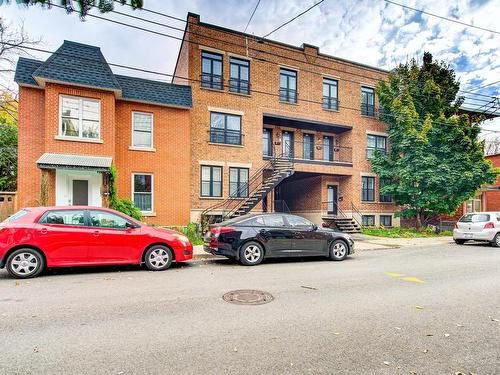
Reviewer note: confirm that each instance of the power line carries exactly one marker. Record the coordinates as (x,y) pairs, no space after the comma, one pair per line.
(250,19)
(442,17)
(245,46)
(293,19)
(483,86)
(358,110)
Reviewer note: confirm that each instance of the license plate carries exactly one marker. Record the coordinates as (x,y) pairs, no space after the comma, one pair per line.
(468,235)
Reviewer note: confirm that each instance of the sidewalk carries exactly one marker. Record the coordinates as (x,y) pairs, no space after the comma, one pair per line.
(362,243)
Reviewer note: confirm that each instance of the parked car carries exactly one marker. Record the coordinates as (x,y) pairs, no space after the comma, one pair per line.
(478,226)
(35,238)
(251,238)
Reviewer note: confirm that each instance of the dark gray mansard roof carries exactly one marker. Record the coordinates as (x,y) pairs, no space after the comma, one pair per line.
(84,65)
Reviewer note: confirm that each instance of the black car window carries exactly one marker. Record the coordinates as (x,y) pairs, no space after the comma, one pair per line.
(298,222)
(64,217)
(257,221)
(104,219)
(274,221)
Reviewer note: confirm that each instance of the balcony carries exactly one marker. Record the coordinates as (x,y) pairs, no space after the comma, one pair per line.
(330,103)
(288,95)
(212,81)
(313,153)
(239,86)
(227,137)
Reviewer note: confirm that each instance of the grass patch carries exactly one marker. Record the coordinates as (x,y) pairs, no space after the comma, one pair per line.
(403,232)
(191,231)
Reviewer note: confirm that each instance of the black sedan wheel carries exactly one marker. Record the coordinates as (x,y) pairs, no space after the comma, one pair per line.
(25,263)
(158,258)
(251,254)
(338,250)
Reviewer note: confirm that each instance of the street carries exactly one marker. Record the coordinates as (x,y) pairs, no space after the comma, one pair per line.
(427,310)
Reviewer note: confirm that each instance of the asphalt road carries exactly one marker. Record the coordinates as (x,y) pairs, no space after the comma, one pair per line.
(353,317)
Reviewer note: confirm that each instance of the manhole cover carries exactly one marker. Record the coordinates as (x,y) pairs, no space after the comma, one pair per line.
(248,297)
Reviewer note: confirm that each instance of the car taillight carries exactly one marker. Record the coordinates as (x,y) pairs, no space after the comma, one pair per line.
(220,230)
(455,226)
(489,225)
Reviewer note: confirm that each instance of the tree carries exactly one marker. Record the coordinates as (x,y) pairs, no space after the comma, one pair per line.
(84,6)
(435,161)
(8,154)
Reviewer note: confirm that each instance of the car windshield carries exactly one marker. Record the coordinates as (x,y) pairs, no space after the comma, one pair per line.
(475,218)
(16,216)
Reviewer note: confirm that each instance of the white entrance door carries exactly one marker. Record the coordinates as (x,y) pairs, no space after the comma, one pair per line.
(75,187)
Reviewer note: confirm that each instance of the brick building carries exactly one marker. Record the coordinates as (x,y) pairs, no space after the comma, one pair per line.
(247,124)
(255,99)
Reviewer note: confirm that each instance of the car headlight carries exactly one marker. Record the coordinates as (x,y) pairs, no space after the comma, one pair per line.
(182,238)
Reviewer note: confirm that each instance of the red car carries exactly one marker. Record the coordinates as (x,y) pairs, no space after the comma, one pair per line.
(35,238)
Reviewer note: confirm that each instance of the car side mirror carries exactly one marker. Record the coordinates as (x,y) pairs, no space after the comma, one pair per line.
(314,227)
(131,225)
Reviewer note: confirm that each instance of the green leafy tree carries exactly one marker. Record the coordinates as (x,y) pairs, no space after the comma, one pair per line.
(8,156)
(123,205)
(435,161)
(83,6)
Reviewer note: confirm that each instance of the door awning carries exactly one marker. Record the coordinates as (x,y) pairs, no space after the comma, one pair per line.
(72,161)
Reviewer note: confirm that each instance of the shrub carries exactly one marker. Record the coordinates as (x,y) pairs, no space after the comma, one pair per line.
(125,206)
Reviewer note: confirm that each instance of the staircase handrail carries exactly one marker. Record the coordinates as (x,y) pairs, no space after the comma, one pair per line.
(358,212)
(340,212)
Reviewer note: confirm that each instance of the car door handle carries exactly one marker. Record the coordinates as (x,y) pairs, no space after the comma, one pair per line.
(263,231)
(43,231)
(95,233)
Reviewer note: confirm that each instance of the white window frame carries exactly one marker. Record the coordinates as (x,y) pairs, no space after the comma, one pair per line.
(132,189)
(133,146)
(80,117)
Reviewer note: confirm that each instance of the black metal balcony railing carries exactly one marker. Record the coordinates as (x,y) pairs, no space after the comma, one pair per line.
(212,81)
(223,136)
(239,86)
(288,95)
(308,151)
(330,103)
(368,109)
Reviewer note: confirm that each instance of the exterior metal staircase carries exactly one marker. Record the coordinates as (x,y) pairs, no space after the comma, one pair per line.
(343,221)
(262,182)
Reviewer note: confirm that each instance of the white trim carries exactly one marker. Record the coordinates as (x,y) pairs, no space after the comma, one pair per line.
(239,165)
(329,76)
(75,139)
(80,118)
(210,49)
(146,149)
(289,67)
(241,57)
(367,174)
(208,163)
(145,213)
(226,111)
(382,134)
(133,146)
(368,86)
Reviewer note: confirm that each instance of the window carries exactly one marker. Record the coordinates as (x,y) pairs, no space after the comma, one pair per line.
(368,189)
(309,146)
(327,148)
(65,217)
(288,144)
(211,70)
(80,117)
(104,219)
(211,181)
(274,221)
(475,218)
(143,192)
(142,130)
(267,142)
(368,220)
(387,198)
(473,205)
(375,143)
(288,85)
(386,220)
(367,101)
(225,128)
(239,80)
(330,94)
(238,182)
(298,222)
(18,215)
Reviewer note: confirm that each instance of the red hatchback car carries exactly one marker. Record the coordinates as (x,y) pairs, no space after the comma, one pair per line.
(35,238)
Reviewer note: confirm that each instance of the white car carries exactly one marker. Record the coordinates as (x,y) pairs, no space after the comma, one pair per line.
(478,226)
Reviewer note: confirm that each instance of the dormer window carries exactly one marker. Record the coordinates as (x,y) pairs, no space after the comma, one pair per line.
(79,117)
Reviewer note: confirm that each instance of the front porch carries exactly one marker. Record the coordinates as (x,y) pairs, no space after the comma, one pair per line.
(74,180)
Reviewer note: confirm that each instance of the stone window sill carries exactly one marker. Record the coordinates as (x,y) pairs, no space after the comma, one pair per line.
(75,139)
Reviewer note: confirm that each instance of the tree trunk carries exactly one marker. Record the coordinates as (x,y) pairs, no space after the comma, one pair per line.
(419,225)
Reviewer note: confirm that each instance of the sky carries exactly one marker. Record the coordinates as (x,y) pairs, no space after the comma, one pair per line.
(372,32)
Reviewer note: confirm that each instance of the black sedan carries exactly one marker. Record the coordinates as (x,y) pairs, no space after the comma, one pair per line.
(251,238)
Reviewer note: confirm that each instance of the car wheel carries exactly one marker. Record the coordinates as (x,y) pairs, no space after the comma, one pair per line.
(338,250)
(25,263)
(158,258)
(459,242)
(496,240)
(251,254)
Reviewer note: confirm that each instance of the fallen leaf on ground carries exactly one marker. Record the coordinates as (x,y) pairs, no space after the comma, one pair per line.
(419,307)
(398,328)
(446,335)
(394,274)
(235,349)
(308,287)
(17,283)
(413,279)
(335,333)
(387,363)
